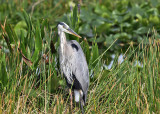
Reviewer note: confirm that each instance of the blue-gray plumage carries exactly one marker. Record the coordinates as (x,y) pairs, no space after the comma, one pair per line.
(73,64)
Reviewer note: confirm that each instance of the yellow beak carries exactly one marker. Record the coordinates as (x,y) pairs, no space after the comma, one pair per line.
(73,33)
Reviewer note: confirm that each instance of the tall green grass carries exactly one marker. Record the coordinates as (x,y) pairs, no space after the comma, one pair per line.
(38,87)
(126,88)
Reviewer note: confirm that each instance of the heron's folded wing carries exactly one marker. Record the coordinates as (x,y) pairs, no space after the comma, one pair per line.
(79,65)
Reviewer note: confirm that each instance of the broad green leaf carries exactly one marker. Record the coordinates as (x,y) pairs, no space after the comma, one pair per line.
(87,15)
(104,28)
(22,47)
(20,29)
(145,22)
(8,43)
(3,75)
(85,47)
(35,56)
(44,23)
(87,51)
(98,40)
(28,53)
(14,35)
(38,39)
(123,36)
(137,10)
(27,20)
(22,37)
(86,30)
(154,3)
(154,20)
(55,81)
(36,61)
(141,30)
(9,33)
(74,21)
(95,55)
(75,17)
(29,26)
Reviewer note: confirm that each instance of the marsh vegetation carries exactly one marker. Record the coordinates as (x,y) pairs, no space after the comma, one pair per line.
(129,28)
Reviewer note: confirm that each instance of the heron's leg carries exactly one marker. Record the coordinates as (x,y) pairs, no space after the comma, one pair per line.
(81,103)
(71,98)
(82,107)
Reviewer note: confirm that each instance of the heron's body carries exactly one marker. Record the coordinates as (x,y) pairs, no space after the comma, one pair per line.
(76,77)
(73,65)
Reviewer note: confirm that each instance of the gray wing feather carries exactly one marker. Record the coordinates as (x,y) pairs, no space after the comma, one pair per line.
(79,66)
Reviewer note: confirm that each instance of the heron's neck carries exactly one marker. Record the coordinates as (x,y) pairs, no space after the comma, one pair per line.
(62,42)
(62,38)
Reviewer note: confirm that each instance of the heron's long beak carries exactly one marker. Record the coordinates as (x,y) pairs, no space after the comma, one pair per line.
(73,33)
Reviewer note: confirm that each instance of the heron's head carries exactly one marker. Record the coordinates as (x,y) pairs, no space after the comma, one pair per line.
(63,27)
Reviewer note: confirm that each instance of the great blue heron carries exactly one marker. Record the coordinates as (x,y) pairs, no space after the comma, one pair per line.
(73,64)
